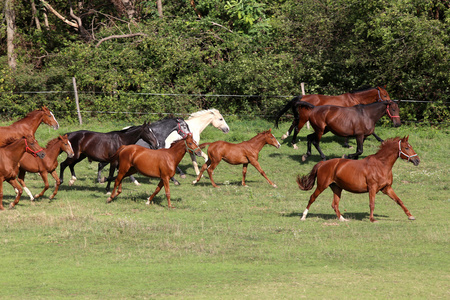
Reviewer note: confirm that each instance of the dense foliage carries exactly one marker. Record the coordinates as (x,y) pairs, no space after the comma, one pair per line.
(236,47)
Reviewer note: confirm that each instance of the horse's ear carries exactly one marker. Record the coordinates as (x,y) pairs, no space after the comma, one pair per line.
(270,130)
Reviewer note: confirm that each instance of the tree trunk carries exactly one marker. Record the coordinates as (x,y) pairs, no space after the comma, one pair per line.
(35,17)
(10,17)
(159,5)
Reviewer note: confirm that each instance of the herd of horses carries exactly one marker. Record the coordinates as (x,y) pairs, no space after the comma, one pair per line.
(155,149)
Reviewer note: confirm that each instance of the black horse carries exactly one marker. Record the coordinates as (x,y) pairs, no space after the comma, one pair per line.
(355,121)
(162,129)
(99,146)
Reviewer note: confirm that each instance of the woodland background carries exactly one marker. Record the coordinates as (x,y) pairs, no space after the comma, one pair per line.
(178,56)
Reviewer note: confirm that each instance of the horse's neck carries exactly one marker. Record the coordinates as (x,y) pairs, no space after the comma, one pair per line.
(14,151)
(132,136)
(388,155)
(376,111)
(257,142)
(365,97)
(31,121)
(52,151)
(198,124)
(178,151)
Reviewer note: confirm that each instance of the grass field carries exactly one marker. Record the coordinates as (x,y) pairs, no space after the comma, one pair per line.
(234,242)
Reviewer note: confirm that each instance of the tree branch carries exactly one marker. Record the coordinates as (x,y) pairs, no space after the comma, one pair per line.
(119,37)
(58,15)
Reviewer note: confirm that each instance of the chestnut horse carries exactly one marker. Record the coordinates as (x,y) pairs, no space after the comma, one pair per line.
(28,125)
(48,164)
(159,163)
(10,156)
(236,154)
(358,121)
(301,115)
(369,175)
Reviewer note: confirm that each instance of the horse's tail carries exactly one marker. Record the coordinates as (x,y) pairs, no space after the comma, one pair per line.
(115,157)
(304,104)
(201,146)
(289,105)
(306,182)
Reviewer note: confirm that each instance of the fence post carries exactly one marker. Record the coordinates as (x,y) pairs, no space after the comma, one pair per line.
(303,93)
(76,99)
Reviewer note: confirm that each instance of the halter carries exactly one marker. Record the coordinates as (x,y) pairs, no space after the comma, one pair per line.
(31,150)
(180,131)
(400,152)
(389,113)
(187,147)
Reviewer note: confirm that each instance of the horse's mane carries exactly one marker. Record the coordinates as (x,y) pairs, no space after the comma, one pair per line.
(362,89)
(387,143)
(9,141)
(176,141)
(202,112)
(52,142)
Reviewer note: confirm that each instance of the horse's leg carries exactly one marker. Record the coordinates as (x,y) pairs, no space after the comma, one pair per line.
(1,194)
(200,174)
(210,170)
(309,138)
(359,147)
(390,192)
(167,190)
(288,133)
(337,191)
(158,188)
(101,166)
(346,145)
(317,192)
(175,181)
(112,169)
(244,173)
(46,185)
(57,184)
(17,186)
(378,138)
(179,171)
(372,194)
(118,182)
(304,116)
(21,180)
(256,164)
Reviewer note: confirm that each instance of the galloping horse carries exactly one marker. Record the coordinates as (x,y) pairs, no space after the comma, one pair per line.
(99,146)
(301,115)
(197,122)
(152,163)
(369,175)
(358,121)
(48,164)
(162,129)
(10,155)
(28,125)
(236,154)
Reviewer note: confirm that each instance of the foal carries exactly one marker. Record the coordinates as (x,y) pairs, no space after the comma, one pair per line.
(159,163)
(236,154)
(369,175)
(48,164)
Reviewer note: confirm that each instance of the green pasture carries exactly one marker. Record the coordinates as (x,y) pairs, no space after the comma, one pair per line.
(233,242)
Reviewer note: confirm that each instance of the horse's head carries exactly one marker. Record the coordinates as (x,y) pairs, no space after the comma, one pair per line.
(219,122)
(149,136)
(393,112)
(66,146)
(270,139)
(49,118)
(182,128)
(383,95)
(32,147)
(406,151)
(191,146)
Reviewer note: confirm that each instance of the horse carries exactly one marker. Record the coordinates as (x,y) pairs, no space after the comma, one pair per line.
(31,164)
(364,96)
(100,147)
(10,155)
(162,129)
(236,154)
(159,163)
(358,121)
(197,122)
(28,125)
(369,175)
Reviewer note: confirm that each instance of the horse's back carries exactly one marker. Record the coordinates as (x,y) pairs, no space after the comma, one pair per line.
(318,99)
(349,174)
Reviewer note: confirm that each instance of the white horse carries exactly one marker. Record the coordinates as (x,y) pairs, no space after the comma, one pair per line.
(197,122)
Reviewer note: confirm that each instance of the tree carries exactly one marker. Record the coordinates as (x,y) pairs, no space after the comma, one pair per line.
(10,33)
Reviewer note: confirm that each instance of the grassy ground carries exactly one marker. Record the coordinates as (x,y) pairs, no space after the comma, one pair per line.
(234,242)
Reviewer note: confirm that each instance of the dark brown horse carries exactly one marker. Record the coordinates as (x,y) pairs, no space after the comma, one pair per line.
(29,163)
(237,154)
(101,146)
(356,121)
(301,115)
(10,156)
(369,175)
(28,125)
(160,163)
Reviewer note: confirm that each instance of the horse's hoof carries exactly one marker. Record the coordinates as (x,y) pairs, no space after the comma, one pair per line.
(295,146)
(183,176)
(342,219)
(194,182)
(411,218)
(136,183)
(176,183)
(284,136)
(274,185)
(304,157)
(11,206)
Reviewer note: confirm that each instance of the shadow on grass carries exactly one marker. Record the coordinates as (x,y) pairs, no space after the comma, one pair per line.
(349,216)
